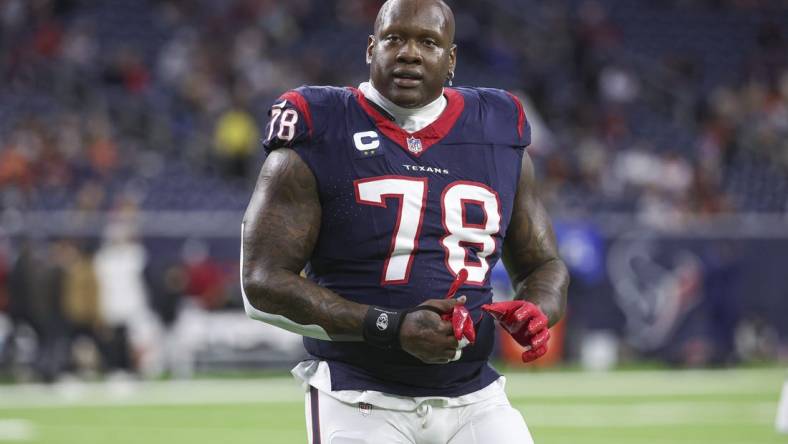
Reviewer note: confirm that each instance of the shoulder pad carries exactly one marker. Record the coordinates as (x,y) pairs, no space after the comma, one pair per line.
(504,116)
(299,116)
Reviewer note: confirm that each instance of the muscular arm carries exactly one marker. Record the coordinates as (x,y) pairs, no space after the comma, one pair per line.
(280,229)
(530,253)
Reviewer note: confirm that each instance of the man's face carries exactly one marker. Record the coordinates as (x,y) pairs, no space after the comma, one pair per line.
(411,53)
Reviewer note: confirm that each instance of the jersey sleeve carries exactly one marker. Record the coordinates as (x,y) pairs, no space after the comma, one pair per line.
(523,127)
(289,122)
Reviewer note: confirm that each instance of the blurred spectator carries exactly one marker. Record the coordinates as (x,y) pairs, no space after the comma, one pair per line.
(128,71)
(35,288)
(235,138)
(18,156)
(167,284)
(80,299)
(102,151)
(205,278)
(722,285)
(5,259)
(119,264)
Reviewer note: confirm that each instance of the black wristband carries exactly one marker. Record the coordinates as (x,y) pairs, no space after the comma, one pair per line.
(382,325)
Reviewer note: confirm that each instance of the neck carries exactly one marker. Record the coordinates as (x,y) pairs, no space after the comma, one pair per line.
(409,119)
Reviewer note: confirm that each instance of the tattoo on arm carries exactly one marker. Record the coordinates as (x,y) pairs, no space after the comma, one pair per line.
(281,227)
(530,251)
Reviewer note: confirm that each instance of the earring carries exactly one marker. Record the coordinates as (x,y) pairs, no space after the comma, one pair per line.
(450,77)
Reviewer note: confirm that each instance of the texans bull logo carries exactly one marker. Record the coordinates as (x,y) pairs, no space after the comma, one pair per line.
(656,285)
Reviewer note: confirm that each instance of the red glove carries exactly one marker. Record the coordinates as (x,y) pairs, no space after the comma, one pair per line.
(460,317)
(461,320)
(526,323)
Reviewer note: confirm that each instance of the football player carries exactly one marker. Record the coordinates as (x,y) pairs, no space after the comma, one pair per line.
(394,195)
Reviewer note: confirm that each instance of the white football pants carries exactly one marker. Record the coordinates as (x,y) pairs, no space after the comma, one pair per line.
(493,420)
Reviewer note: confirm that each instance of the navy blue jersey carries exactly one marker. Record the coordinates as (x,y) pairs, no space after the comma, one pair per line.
(402,214)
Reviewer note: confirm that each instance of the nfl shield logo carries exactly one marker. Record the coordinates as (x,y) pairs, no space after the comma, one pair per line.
(414,145)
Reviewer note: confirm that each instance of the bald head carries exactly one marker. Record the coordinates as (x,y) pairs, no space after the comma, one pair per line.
(412,53)
(436,9)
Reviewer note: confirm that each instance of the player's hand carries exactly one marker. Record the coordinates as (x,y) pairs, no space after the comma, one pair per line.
(526,323)
(462,325)
(460,317)
(426,336)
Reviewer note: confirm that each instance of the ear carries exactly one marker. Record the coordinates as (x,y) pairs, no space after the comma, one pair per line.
(370,46)
(453,58)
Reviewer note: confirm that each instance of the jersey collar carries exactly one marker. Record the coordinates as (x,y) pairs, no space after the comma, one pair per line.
(416,143)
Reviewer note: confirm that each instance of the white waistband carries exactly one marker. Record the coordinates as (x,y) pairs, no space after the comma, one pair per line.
(317,374)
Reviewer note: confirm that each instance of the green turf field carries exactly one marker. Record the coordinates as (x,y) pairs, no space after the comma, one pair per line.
(631,407)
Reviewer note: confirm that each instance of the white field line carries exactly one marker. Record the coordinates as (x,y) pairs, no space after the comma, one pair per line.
(646,383)
(643,414)
(521,386)
(16,430)
(130,393)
